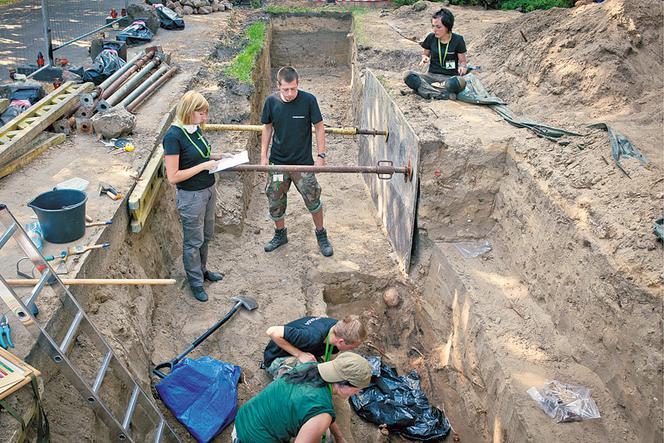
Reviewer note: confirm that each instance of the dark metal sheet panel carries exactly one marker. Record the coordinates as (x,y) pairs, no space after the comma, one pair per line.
(395,199)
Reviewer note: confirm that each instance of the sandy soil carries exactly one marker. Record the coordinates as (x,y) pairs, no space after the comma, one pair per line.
(152,326)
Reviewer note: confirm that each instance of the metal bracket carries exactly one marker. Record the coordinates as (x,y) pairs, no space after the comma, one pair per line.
(385,163)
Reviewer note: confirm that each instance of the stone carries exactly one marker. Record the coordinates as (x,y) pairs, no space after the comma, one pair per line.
(204,10)
(419,6)
(170,5)
(187,10)
(189,3)
(145,13)
(177,4)
(114,123)
(199,4)
(179,11)
(391,297)
(227,5)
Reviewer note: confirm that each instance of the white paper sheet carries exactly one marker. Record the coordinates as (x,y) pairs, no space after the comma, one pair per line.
(230,160)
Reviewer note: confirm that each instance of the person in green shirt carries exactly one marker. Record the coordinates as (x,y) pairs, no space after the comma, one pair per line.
(299,404)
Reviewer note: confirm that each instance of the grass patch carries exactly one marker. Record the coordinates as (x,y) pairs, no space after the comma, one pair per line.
(531,5)
(7,2)
(355,10)
(243,64)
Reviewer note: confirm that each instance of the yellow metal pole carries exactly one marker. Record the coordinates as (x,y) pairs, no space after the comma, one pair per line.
(259,128)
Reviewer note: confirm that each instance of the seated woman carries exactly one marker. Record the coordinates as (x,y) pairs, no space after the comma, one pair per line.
(299,404)
(445,52)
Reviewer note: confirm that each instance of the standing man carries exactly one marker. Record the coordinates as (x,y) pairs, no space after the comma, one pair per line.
(287,118)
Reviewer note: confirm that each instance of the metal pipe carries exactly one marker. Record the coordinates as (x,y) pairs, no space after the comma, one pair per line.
(47,34)
(384,169)
(133,106)
(145,85)
(88,100)
(106,83)
(328,130)
(104,105)
(123,78)
(81,37)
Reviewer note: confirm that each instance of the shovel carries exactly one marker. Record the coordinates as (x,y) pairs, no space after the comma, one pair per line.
(247,303)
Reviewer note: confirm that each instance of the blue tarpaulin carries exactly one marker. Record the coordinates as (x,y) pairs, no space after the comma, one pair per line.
(202,395)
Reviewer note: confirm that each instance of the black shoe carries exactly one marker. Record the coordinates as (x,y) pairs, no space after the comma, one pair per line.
(199,293)
(280,238)
(324,243)
(213,276)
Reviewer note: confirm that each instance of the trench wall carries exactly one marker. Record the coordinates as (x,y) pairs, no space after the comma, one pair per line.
(125,314)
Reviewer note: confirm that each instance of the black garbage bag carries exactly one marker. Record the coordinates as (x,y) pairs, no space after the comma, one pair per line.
(21,95)
(136,33)
(106,63)
(399,402)
(168,18)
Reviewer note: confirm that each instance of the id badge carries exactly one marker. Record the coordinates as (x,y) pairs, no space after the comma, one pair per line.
(278,177)
(450,64)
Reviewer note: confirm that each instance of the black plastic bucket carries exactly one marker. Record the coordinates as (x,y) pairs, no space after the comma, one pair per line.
(61,214)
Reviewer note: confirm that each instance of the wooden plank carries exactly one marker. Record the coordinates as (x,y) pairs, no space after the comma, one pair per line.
(15,148)
(4,104)
(143,197)
(37,147)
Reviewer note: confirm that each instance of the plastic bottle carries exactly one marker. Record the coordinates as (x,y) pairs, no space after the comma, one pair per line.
(34,232)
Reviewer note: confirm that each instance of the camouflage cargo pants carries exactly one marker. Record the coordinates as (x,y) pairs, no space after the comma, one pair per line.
(277,188)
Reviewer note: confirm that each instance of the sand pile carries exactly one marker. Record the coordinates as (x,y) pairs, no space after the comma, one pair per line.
(606,56)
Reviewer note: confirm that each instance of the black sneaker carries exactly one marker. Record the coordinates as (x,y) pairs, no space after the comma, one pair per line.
(280,238)
(324,243)
(213,276)
(199,293)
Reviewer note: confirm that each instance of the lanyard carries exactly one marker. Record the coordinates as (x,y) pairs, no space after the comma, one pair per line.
(328,356)
(201,138)
(441,60)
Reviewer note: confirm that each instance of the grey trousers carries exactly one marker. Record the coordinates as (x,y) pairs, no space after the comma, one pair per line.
(426,90)
(196,210)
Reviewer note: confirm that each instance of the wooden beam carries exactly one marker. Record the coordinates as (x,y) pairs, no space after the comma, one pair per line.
(144,195)
(14,141)
(44,141)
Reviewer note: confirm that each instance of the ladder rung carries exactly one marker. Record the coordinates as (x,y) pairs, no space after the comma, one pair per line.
(71,333)
(159,431)
(7,235)
(131,407)
(38,287)
(102,372)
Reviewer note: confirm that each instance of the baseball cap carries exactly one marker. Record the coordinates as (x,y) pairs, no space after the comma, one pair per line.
(348,366)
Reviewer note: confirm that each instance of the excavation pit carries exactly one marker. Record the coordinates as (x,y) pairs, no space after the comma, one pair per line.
(546,302)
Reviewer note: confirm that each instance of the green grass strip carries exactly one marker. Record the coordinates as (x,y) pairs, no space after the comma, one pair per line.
(275,9)
(243,64)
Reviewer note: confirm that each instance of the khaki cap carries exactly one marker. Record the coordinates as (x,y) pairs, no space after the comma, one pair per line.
(348,366)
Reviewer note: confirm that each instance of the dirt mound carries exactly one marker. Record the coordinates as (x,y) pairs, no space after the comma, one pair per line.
(608,56)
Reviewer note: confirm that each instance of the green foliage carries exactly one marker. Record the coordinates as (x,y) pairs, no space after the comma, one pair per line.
(355,10)
(527,5)
(531,5)
(243,64)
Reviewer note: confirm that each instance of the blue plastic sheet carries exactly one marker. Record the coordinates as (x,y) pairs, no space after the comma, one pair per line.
(202,395)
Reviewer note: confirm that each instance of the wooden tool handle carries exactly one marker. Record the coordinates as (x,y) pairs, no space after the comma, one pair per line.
(96,281)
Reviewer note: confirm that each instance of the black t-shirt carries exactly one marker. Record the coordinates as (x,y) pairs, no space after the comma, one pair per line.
(308,334)
(176,142)
(291,122)
(450,62)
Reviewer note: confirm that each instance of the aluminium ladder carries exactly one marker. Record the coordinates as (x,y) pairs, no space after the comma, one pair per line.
(59,346)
